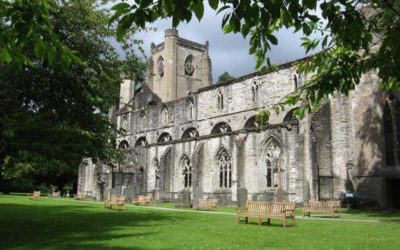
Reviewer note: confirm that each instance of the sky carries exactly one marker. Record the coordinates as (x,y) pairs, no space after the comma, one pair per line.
(228,52)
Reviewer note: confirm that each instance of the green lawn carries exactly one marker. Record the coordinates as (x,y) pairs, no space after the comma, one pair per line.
(69,224)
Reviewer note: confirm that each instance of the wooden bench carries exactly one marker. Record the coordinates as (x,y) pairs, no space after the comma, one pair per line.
(116,202)
(79,196)
(34,196)
(142,200)
(206,204)
(268,210)
(55,194)
(323,207)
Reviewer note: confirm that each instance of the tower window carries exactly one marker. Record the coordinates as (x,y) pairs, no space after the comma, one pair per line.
(220,100)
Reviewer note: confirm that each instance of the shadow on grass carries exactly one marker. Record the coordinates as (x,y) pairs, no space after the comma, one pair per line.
(81,226)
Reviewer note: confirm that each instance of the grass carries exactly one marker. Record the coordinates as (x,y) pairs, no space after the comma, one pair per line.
(69,224)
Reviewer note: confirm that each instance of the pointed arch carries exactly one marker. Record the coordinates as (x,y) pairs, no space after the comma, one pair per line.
(273,157)
(221,128)
(190,108)
(223,163)
(164,115)
(186,168)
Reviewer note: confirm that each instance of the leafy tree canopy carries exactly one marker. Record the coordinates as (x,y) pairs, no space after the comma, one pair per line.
(356,36)
(225,77)
(53,106)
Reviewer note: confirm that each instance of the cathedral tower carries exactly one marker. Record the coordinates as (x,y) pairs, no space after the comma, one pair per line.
(178,66)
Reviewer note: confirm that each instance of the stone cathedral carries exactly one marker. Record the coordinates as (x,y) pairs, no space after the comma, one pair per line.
(184,134)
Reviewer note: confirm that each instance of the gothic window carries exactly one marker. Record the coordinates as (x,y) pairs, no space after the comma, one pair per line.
(189,68)
(254,91)
(273,164)
(143,119)
(186,172)
(391,128)
(164,115)
(224,166)
(190,110)
(220,100)
(160,66)
(171,114)
(269,173)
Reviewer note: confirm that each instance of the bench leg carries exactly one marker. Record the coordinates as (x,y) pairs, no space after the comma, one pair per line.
(238,219)
(284,222)
(247,220)
(259,220)
(269,221)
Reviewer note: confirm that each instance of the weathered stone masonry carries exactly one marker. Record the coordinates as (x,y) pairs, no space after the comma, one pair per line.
(184,134)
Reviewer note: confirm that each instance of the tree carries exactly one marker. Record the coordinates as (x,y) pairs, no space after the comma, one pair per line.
(53,111)
(225,77)
(356,36)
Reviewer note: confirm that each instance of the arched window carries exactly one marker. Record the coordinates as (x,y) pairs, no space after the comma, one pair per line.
(220,102)
(251,123)
(164,115)
(273,155)
(160,66)
(190,133)
(143,119)
(289,117)
(221,128)
(190,110)
(189,68)
(186,171)
(224,166)
(254,91)
(124,122)
(123,144)
(391,128)
(164,137)
(142,141)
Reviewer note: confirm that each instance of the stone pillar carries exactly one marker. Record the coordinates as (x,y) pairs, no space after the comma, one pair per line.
(242,198)
(186,200)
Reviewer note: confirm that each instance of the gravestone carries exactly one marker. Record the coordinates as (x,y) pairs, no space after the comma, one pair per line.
(186,201)
(279,195)
(242,198)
